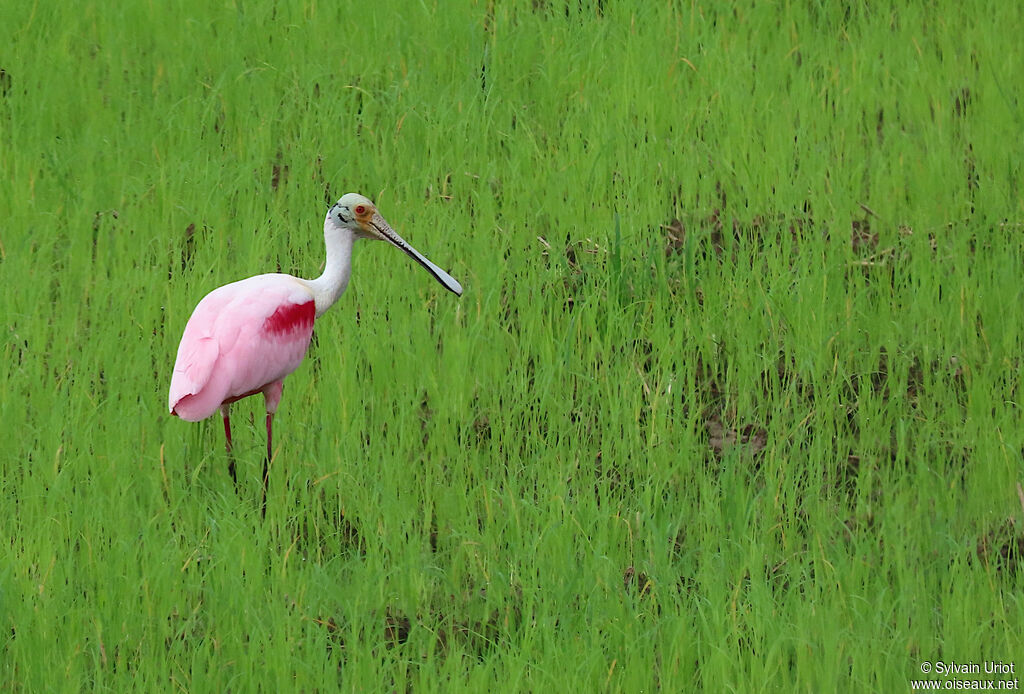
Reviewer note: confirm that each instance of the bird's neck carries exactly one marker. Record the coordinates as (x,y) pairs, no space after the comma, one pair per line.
(332,283)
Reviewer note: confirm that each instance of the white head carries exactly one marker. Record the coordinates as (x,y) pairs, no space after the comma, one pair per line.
(359,216)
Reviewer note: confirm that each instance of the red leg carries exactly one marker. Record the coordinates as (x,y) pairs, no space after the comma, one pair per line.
(266,462)
(272,396)
(227,438)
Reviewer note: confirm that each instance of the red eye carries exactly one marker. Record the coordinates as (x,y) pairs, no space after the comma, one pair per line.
(360,209)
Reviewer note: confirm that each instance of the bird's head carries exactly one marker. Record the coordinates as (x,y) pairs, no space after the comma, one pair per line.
(356,214)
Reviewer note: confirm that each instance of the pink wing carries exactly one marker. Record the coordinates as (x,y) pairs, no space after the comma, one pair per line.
(241,337)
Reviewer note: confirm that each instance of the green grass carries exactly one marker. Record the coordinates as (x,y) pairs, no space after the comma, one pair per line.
(529,488)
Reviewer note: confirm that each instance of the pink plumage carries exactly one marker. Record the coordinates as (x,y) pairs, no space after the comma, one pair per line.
(245,337)
(242,339)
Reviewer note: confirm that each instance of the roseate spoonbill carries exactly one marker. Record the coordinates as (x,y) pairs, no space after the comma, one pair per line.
(245,337)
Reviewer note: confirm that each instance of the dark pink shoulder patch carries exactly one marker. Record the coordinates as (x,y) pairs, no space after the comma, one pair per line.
(290,318)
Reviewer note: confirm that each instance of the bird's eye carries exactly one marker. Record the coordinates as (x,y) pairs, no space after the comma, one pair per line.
(360,209)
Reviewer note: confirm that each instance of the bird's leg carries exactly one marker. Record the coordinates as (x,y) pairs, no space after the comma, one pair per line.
(227,438)
(271,396)
(266,462)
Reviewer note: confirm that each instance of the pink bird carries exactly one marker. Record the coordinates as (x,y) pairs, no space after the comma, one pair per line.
(245,337)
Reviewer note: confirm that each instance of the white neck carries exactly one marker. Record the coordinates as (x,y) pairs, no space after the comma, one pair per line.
(332,283)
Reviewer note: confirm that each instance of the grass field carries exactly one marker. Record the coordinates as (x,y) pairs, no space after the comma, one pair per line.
(730,403)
